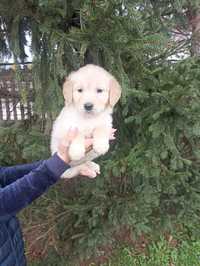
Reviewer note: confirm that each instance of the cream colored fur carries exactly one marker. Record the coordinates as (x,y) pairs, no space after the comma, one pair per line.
(90,84)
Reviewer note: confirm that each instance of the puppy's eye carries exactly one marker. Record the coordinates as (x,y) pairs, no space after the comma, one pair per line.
(99,90)
(80,90)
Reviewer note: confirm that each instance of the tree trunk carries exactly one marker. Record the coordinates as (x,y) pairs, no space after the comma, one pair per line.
(194,19)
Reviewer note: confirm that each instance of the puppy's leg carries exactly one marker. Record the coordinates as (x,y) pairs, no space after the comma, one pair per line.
(101,140)
(88,168)
(77,148)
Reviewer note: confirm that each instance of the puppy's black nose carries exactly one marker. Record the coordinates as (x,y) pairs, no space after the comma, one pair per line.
(88,106)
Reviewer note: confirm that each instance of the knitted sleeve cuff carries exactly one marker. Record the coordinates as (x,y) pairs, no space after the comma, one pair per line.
(56,165)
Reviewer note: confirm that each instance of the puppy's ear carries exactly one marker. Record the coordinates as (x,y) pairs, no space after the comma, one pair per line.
(68,91)
(114,92)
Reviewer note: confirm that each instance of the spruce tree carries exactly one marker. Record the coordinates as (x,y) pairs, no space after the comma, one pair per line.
(150,179)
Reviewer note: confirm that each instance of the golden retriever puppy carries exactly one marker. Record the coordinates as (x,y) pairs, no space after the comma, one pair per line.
(90,94)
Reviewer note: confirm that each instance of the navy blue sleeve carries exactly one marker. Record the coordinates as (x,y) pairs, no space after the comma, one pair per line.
(24,190)
(12,173)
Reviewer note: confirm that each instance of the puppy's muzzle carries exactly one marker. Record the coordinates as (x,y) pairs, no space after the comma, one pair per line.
(88,106)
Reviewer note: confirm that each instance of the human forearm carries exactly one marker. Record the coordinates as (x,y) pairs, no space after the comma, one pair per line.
(10,174)
(23,191)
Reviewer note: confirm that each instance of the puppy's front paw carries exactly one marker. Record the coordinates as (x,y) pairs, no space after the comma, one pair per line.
(76,152)
(101,146)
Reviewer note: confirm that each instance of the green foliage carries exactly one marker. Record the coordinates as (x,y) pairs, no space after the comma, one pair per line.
(150,180)
(67,34)
(53,260)
(21,144)
(160,254)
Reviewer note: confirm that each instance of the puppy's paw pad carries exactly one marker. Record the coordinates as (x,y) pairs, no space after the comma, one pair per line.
(76,152)
(101,147)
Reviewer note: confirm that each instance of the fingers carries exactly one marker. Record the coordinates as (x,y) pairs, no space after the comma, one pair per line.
(88,172)
(65,143)
(113,130)
(71,134)
(112,133)
(89,141)
(89,169)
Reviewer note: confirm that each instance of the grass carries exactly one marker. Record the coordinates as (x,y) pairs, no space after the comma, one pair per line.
(160,253)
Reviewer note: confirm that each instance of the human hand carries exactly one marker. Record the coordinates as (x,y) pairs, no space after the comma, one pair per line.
(89,141)
(63,152)
(63,147)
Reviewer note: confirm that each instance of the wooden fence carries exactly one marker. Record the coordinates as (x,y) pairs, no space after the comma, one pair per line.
(16,98)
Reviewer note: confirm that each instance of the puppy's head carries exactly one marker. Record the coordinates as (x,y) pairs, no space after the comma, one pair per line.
(91,90)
